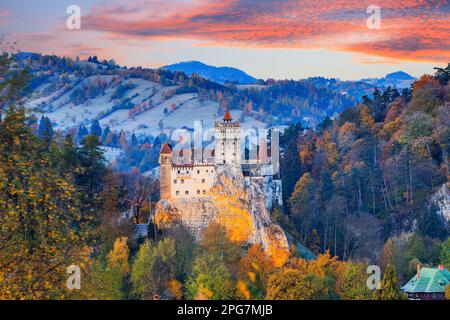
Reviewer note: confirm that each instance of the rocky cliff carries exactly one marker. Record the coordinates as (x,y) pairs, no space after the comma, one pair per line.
(236,203)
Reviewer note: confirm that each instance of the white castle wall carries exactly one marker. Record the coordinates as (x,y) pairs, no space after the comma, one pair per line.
(228,143)
(191,181)
(196,180)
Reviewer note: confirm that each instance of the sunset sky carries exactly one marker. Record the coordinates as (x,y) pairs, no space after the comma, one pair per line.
(266,38)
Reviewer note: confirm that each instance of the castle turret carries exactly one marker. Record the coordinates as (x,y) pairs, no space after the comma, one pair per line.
(228,141)
(165,179)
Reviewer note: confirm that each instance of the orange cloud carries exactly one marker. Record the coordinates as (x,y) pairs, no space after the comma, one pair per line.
(410,29)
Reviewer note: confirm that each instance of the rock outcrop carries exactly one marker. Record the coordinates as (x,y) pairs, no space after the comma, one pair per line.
(441,199)
(236,203)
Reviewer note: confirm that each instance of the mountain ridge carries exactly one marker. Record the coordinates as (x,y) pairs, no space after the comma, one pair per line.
(222,74)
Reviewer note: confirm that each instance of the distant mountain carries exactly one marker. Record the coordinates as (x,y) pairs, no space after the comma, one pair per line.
(399,75)
(397,79)
(138,100)
(217,74)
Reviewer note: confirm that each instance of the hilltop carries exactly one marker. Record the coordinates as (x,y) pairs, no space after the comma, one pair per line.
(220,75)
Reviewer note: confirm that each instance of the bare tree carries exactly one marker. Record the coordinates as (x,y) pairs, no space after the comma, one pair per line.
(140,190)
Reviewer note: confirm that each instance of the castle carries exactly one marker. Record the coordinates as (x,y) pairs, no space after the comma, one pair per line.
(196,177)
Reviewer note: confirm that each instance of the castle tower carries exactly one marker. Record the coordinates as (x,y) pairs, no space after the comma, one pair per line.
(165,179)
(228,141)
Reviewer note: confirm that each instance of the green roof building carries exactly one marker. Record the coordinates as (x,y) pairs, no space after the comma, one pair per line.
(428,284)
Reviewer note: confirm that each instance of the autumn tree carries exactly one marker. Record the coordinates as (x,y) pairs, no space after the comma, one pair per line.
(210,279)
(113,223)
(445,253)
(215,242)
(302,203)
(119,256)
(43,230)
(295,285)
(389,286)
(140,189)
(447,292)
(254,271)
(153,269)
(353,286)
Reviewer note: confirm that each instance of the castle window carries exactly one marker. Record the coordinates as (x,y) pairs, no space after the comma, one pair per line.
(178,171)
(198,171)
(175,181)
(187,171)
(198,191)
(186,192)
(204,191)
(203,180)
(182,181)
(177,193)
(224,161)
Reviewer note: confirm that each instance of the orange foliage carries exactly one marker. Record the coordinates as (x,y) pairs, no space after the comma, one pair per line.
(204,294)
(118,257)
(425,81)
(175,288)
(242,290)
(324,263)
(365,117)
(278,255)
(306,155)
(256,262)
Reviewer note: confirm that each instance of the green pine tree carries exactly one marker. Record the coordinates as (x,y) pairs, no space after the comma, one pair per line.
(389,286)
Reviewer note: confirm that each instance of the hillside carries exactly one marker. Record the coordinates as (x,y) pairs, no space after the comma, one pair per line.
(142,104)
(140,100)
(373,183)
(397,79)
(370,186)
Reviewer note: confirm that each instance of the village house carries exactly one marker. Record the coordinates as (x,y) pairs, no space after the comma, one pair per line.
(428,284)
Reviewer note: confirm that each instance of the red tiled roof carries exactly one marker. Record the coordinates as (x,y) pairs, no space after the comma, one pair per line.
(165,149)
(227,116)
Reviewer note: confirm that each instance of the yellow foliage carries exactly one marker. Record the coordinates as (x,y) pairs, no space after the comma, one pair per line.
(118,257)
(323,264)
(447,292)
(175,288)
(365,117)
(278,255)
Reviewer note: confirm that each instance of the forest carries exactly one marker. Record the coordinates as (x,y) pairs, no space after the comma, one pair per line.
(361,186)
